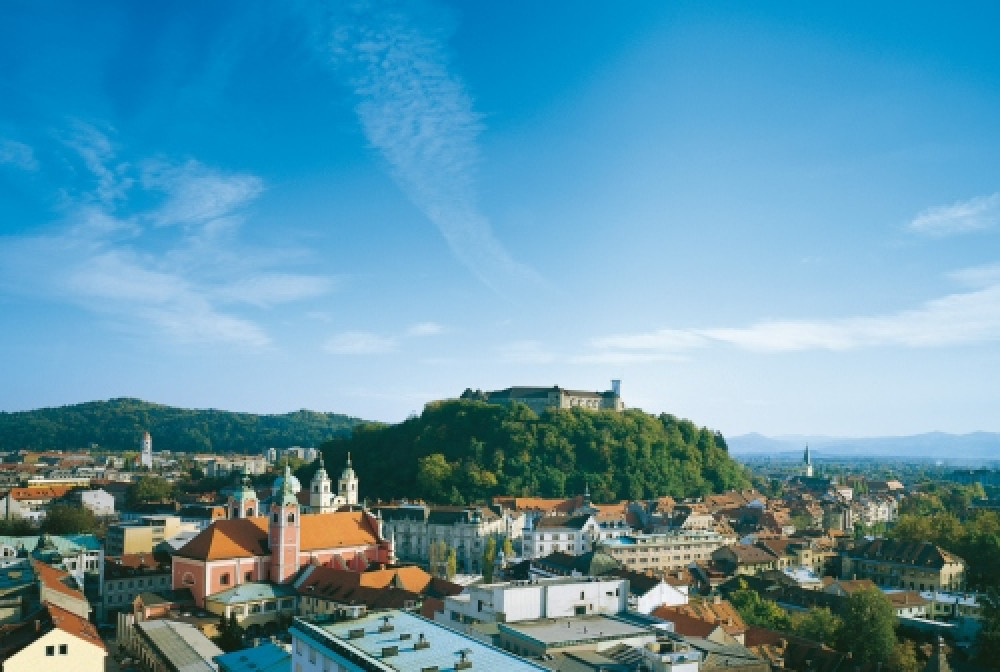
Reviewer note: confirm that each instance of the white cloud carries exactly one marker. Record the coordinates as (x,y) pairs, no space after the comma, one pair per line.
(17,154)
(181,283)
(269,289)
(526,352)
(956,319)
(977,276)
(360,343)
(982,212)
(98,155)
(418,114)
(196,194)
(425,329)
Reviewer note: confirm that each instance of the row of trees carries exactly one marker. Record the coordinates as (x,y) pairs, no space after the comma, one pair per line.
(865,629)
(118,425)
(462,451)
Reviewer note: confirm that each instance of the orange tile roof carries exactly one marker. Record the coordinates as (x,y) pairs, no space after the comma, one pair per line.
(722,613)
(74,625)
(247,537)
(40,492)
(53,579)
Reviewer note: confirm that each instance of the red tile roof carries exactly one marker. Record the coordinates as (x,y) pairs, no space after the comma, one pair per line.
(247,537)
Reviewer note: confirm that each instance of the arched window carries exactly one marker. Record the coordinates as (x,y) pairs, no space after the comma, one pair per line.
(249,511)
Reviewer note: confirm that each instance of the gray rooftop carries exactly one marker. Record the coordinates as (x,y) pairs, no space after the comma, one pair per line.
(442,652)
(255,590)
(183,645)
(575,630)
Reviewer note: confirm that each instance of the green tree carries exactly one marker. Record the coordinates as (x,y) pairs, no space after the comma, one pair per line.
(819,624)
(508,549)
(451,566)
(69,519)
(149,489)
(230,636)
(988,640)
(869,634)
(755,610)
(904,657)
(17,527)
(489,559)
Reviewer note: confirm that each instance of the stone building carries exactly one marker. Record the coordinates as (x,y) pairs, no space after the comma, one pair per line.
(905,564)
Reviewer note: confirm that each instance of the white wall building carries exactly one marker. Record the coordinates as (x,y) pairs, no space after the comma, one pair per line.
(574,535)
(530,600)
(100,502)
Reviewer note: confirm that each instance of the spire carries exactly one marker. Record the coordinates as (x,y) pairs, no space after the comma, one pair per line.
(808,459)
(287,492)
(348,459)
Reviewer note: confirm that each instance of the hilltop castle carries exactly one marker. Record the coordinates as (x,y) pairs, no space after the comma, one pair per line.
(540,399)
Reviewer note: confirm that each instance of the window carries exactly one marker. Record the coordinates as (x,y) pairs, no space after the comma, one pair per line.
(188,579)
(224,579)
(291,517)
(248,576)
(63,649)
(50,650)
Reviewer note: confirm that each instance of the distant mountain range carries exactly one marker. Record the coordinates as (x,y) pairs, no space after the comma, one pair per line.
(933,445)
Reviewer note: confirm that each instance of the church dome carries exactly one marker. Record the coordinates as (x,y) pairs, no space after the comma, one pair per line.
(279,484)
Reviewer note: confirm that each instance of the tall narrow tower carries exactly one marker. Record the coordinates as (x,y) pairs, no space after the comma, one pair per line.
(347,486)
(807,460)
(283,532)
(146,454)
(320,497)
(243,501)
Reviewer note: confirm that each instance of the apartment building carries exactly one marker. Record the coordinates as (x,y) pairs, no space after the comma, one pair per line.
(143,535)
(665,551)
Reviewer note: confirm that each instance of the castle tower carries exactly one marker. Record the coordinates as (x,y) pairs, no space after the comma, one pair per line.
(320,496)
(807,460)
(146,454)
(347,486)
(243,502)
(283,533)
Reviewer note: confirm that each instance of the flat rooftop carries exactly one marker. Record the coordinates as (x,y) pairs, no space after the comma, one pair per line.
(559,632)
(444,643)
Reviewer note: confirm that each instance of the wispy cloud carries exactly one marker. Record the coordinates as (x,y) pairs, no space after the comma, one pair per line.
(158,253)
(17,154)
(417,113)
(425,329)
(371,343)
(976,214)
(527,352)
(952,320)
(360,343)
(196,194)
(977,276)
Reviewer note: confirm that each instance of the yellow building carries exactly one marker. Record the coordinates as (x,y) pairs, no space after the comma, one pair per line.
(143,535)
(912,565)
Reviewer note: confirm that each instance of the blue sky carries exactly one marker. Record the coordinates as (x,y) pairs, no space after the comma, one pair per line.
(773,217)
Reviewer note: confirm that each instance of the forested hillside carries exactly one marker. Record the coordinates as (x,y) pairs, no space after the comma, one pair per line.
(462,451)
(118,424)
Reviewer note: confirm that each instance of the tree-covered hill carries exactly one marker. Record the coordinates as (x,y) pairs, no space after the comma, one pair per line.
(118,424)
(461,451)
